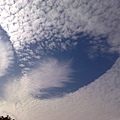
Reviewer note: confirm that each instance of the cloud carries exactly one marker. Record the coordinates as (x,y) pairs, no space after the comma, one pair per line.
(63,19)
(6,53)
(99,100)
(50,73)
(47,23)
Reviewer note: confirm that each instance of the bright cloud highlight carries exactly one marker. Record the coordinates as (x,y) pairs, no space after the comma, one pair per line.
(50,73)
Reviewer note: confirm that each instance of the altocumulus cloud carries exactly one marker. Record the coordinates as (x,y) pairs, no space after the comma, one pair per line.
(47,22)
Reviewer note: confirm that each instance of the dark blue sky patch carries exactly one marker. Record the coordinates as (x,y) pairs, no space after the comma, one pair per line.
(87,69)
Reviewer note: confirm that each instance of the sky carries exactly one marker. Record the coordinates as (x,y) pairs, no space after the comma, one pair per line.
(60,59)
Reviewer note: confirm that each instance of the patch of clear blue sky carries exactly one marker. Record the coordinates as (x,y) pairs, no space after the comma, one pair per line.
(87,69)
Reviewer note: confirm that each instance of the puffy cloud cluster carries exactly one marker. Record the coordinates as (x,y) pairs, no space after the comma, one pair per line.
(27,21)
(49,21)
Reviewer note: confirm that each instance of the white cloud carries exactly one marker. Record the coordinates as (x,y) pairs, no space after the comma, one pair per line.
(50,73)
(32,21)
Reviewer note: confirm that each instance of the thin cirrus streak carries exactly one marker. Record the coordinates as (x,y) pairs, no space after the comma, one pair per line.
(50,73)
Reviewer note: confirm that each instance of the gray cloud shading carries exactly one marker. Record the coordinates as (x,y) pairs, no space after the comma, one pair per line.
(48,74)
(46,23)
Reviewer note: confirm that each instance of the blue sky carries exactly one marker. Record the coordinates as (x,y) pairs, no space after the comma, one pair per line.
(60,59)
(85,69)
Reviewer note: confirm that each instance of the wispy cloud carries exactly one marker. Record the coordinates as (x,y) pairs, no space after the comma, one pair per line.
(6,53)
(50,73)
